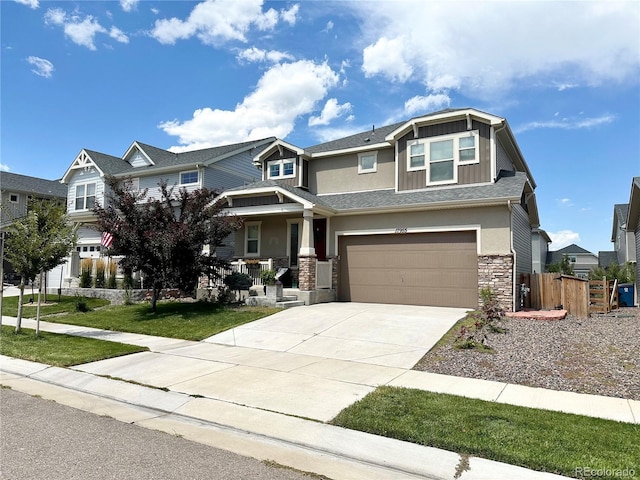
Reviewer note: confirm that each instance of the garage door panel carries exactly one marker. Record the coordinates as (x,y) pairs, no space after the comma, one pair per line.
(437,269)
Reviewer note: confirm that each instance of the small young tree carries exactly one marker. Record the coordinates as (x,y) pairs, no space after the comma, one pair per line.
(38,242)
(564,266)
(163,237)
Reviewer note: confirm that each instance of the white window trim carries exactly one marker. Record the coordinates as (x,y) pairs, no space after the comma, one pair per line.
(456,154)
(11,200)
(291,221)
(197,182)
(375,162)
(246,238)
(75,195)
(281,162)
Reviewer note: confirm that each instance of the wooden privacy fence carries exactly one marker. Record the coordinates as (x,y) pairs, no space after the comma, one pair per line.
(603,295)
(550,291)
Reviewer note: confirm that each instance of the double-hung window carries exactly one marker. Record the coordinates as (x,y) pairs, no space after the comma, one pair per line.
(285,168)
(252,239)
(85,196)
(440,156)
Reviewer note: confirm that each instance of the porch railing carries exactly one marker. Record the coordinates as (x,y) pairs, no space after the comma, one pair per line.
(251,269)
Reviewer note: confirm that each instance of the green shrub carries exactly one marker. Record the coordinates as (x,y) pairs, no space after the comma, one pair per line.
(111,279)
(268,277)
(81,304)
(100,273)
(238,281)
(487,320)
(86,266)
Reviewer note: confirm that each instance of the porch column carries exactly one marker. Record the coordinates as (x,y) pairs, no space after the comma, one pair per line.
(307,255)
(306,246)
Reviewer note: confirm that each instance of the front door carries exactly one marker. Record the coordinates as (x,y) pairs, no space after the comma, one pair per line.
(320,238)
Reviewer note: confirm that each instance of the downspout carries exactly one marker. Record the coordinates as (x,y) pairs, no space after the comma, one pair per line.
(513,252)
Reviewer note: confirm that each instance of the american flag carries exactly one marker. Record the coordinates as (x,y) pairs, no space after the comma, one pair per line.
(107,239)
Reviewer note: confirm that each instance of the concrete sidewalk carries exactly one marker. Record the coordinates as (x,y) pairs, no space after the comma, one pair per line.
(256,400)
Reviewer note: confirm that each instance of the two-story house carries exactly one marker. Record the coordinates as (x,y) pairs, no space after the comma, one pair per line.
(426,211)
(15,193)
(633,225)
(622,237)
(216,168)
(582,260)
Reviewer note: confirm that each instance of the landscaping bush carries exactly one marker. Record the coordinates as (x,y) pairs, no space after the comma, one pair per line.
(86,266)
(81,304)
(111,280)
(100,274)
(487,320)
(238,281)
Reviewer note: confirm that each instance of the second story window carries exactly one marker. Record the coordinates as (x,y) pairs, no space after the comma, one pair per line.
(187,178)
(85,196)
(285,168)
(367,162)
(13,198)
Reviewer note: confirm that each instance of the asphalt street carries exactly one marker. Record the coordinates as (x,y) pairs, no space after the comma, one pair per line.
(41,439)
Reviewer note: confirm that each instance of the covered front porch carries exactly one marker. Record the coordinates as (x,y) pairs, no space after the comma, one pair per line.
(286,233)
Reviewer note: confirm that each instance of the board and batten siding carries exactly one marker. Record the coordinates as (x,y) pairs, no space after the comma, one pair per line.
(242,164)
(521,240)
(467,174)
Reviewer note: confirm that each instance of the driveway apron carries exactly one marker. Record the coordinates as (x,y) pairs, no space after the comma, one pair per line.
(308,361)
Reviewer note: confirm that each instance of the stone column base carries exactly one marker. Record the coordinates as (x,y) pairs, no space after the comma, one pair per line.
(496,272)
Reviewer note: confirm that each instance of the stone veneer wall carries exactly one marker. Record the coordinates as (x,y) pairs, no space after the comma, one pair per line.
(307,272)
(496,272)
(334,272)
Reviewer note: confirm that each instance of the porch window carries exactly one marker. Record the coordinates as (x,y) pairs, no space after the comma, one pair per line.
(293,241)
(285,168)
(85,196)
(367,162)
(252,239)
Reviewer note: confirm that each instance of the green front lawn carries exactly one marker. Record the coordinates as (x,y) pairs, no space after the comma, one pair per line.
(536,439)
(59,350)
(188,321)
(66,304)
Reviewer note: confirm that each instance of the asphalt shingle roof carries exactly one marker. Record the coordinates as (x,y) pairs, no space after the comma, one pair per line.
(508,186)
(39,186)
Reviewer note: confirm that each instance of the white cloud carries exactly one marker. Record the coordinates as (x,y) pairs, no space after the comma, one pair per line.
(565,202)
(567,123)
(4,168)
(255,54)
(42,67)
(81,31)
(128,5)
(29,3)
(424,104)
(217,21)
(483,49)
(118,35)
(331,111)
(284,93)
(562,238)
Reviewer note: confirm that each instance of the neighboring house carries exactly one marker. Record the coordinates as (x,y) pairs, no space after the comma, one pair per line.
(216,168)
(540,241)
(633,225)
(623,238)
(607,258)
(582,260)
(15,193)
(427,211)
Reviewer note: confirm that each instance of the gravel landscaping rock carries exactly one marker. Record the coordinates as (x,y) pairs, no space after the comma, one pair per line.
(599,355)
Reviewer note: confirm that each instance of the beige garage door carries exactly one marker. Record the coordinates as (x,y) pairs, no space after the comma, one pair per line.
(438,269)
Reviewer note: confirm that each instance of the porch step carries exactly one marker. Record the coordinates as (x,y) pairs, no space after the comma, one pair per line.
(289,303)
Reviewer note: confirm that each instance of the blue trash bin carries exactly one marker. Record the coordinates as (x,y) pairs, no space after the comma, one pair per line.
(625,294)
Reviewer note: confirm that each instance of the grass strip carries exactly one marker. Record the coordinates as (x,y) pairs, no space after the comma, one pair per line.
(59,350)
(541,440)
(184,320)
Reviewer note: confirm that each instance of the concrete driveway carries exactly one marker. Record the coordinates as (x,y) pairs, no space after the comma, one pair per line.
(307,361)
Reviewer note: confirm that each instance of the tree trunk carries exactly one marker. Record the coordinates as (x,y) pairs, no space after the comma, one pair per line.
(20,301)
(38,307)
(155,293)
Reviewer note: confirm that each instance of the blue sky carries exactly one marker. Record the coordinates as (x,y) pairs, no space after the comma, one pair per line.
(182,75)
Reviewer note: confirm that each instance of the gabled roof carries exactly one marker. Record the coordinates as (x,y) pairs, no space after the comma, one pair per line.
(162,160)
(620,213)
(362,140)
(14,182)
(573,249)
